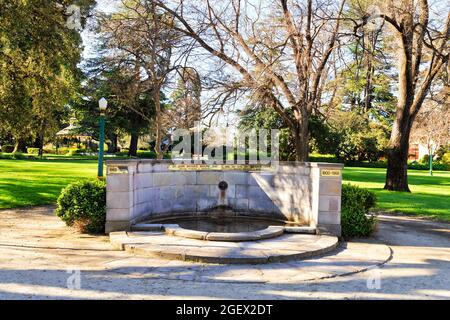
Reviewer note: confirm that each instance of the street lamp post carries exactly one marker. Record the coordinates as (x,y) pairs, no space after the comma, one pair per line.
(102,103)
(430,160)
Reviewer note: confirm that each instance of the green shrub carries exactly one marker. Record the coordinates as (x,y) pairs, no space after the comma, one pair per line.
(62,150)
(83,205)
(18,156)
(425,159)
(32,150)
(7,148)
(146,154)
(426,166)
(356,203)
(74,152)
(49,151)
(445,159)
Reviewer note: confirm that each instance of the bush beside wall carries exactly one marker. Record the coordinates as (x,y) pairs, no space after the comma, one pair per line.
(83,205)
(355,218)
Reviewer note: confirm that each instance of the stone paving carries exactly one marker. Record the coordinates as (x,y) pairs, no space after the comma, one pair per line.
(39,255)
(349,258)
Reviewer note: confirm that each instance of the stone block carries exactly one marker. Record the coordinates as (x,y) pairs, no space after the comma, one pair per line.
(143,180)
(206,204)
(185,178)
(262,179)
(287,169)
(241,191)
(330,187)
(112,226)
(233,178)
(144,167)
(184,205)
(239,204)
(163,179)
(118,183)
(290,181)
(196,191)
(329,217)
(118,214)
(256,193)
(142,195)
(119,200)
(147,227)
(329,203)
(161,167)
(140,210)
(329,229)
(167,193)
(282,209)
(260,205)
(161,206)
(209,177)
(152,194)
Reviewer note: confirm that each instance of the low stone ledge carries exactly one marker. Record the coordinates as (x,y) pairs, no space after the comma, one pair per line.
(304,230)
(147,227)
(236,236)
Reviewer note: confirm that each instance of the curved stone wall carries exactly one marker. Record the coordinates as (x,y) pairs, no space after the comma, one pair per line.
(141,189)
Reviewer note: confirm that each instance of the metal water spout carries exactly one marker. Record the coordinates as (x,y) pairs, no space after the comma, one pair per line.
(223,200)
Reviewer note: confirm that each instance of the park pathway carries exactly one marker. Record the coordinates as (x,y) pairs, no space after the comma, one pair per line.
(40,258)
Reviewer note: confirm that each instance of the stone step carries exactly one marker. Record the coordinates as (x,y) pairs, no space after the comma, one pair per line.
(284,248)
(161,227)
(302,229)
(147,227)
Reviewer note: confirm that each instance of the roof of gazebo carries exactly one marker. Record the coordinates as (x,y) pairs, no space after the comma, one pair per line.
(71,131)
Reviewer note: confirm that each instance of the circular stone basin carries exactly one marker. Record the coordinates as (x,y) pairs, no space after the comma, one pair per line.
(223,224)
(220,227)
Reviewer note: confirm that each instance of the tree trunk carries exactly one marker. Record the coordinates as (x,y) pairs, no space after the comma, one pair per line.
(41,146)
(41,141)
(368,87)
(157,102)
(20,146)
(132,151)
(112,145)
(397,168)
(301,135)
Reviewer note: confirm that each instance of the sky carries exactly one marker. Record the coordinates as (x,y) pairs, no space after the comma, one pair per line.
(89,37)
(107,6)
(89,42)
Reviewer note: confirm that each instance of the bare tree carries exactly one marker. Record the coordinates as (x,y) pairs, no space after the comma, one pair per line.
(279,50)
(186,105)
(432,125)
(423,51)
(139,33)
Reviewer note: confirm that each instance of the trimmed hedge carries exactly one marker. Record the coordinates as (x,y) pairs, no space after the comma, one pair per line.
(83,205)
(75,152)
(355,218)
(445,159)
(32,150)
(15,156)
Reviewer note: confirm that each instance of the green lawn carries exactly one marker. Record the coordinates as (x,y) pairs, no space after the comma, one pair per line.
(35,182)
(429,196)
(27,183)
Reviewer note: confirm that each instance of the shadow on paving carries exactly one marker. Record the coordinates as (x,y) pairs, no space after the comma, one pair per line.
(45,284)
